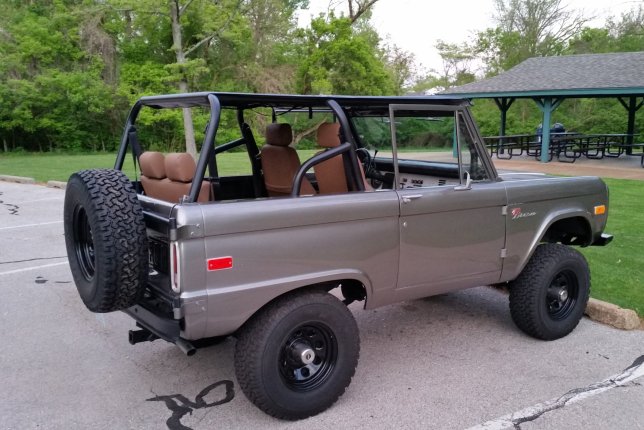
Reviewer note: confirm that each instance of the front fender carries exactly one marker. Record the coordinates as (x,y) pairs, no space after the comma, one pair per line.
(522,241)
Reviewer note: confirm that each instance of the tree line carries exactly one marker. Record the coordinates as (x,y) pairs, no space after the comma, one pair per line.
(70,69)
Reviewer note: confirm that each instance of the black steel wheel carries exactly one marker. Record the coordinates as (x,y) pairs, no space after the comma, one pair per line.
(549,297)
(308,357)
(106,239)
(297,355)
(562,295)
(83,243)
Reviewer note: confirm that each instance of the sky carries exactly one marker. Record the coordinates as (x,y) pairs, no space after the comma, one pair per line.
(416,25)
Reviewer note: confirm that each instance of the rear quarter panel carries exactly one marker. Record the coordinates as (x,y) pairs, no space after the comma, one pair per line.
(281,244)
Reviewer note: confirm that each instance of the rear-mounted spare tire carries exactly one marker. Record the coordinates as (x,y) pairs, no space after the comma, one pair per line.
(106,239)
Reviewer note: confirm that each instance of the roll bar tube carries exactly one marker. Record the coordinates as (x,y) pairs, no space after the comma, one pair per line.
(129,124)
(353,159)
(317,159)
(206,148)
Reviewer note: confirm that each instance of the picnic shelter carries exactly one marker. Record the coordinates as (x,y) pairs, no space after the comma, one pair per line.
(550,80)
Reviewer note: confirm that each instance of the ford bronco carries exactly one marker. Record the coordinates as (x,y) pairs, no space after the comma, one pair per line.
(400,201)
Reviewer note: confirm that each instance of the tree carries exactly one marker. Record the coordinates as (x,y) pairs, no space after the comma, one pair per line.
(401,67)
(341,59)
(55,83)
(457,63)
(270,62)
(526,28)
(499,50)
(357,8)
(544,25)
(192,25)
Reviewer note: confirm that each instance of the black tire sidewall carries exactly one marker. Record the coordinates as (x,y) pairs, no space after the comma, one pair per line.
(119,238)
(262,338)
(528,293)
(77,196)
(559,328)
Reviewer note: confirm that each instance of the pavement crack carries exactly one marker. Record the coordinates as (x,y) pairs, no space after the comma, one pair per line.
(562,401)
(31,259)
(628,377)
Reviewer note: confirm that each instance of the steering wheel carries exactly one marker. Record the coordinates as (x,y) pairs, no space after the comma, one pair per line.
(375,177)
(365,158)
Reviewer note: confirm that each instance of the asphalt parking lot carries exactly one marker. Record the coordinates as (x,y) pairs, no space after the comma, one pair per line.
(454,361)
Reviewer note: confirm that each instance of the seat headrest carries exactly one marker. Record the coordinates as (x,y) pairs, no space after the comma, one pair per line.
(152,165)
(328,135)
(279,134)
(180,167)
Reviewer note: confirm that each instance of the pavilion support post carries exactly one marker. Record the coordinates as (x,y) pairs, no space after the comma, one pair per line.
(632,107)
(547,106)
(545,129)
(503,103)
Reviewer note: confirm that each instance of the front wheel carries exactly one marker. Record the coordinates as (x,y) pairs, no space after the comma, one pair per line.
(296,357)
(549,297)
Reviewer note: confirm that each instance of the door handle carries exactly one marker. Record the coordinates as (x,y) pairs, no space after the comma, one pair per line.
(409,197)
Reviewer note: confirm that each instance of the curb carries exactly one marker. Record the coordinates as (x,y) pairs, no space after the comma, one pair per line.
(613,315)
(57,184)
(17,179)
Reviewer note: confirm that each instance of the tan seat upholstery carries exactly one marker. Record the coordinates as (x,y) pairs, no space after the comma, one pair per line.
(180,169)
(280,162)
(330,174)
(153,176)
(169,178)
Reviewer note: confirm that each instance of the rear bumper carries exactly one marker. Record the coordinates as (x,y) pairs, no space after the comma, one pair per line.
(603,240)
(161,326)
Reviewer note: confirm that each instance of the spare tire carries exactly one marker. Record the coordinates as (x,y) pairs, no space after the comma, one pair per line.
(106,239)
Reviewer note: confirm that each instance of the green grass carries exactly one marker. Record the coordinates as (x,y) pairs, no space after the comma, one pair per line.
(617,270)
(52,167)
(58,167)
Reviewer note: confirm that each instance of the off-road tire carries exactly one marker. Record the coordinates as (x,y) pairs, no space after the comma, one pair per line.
(106,239)
(537,303)
(264,371)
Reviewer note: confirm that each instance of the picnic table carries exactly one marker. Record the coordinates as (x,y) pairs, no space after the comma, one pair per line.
(506,147)
(566,146)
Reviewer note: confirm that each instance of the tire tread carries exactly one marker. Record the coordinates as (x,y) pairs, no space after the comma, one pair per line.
(524,290)
(248,360)
(119,230)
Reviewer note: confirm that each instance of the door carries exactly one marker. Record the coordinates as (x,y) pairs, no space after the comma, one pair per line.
(452,229)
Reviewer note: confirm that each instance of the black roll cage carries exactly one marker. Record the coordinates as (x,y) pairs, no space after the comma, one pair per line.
(241,101)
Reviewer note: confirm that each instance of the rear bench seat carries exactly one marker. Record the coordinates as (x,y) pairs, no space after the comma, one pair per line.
(169,177)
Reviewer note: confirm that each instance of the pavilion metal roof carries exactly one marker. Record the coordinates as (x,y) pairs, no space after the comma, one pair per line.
(588,75)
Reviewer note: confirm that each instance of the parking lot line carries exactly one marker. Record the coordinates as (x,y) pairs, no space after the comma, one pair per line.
(511,421)
(42,200)
(30,225)
(26,269)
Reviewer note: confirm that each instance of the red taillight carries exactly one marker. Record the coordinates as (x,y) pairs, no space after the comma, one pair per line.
(174,269)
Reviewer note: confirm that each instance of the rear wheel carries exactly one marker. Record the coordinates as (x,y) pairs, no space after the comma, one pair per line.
(106,239)
(296,357)
(548,299)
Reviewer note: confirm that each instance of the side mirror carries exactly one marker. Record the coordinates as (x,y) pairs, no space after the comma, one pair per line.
(467,185)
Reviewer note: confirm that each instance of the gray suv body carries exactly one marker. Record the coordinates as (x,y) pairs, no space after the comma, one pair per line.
(421,211)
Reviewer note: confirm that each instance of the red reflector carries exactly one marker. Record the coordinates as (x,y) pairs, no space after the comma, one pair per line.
(220,263)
